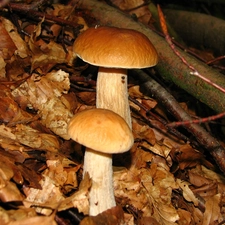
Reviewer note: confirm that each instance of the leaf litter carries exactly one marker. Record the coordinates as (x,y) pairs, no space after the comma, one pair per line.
(162,180)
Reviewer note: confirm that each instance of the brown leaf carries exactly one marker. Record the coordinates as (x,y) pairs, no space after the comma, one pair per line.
(197,179)
(134,92)
(88,97)
(207,190)
(207,182)
(147,102)
(21,46)
(9,216)
(7,46)
(30,176)
(9,169)
(46,54)
(37,220)
(2,68)
(187,192)
(212,213)
(144,132)
(79,199)
(147,190)
(186,156)
(113,216)
(45,199)
(148,221)
(54,178)
(9,192)
(10,112)
(33,138)
(185,217)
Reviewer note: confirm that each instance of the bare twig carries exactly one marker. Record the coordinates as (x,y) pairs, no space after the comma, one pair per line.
(215,60)
(200,120)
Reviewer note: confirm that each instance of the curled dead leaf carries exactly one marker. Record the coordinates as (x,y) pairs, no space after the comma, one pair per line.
(187,192)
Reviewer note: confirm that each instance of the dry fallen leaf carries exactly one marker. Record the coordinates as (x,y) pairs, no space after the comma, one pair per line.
(113,216)
(9,192)
(10,112)
(46,198)
(79,199)
(13,173)
(212,210)
(147,189)
(24,217)
(186,156)
(50,196)
(33,138)
(21,47)
(184,216)
(187,192)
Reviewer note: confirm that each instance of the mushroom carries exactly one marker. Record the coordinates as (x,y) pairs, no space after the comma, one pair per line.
(104,133)
(114,50)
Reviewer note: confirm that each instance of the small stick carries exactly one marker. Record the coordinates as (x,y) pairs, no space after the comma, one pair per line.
(215,60)
(200,120)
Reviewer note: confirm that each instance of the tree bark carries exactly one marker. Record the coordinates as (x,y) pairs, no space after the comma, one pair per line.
(170,67)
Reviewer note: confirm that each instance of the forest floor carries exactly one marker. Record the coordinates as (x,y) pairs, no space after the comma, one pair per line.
(173,174)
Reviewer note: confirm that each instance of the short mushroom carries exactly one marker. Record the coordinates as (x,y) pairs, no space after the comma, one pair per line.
(104,133)
(115,50)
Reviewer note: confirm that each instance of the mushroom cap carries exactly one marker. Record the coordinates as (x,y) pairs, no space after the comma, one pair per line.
(101,130)
(113,47)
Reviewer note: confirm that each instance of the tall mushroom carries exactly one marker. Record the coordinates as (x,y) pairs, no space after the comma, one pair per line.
(114,50)
(103,132)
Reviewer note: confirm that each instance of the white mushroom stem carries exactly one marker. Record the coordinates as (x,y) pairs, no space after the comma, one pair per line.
(112,92)
(99,167)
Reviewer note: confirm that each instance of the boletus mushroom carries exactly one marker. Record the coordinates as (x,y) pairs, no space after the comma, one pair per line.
(104,133)
(114,50)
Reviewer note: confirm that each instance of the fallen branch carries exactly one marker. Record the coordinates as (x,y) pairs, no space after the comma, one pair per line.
(199,29)
(170,67)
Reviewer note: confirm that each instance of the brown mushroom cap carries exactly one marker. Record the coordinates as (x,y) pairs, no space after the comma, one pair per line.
(101,130)
(115,48)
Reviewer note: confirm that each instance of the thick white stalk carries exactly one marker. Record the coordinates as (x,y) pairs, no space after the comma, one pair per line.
(99,167)
(112,92)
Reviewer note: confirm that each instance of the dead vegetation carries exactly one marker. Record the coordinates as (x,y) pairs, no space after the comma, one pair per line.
(168,176)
